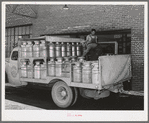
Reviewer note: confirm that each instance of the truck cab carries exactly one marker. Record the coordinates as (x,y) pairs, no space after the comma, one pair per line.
(11,68)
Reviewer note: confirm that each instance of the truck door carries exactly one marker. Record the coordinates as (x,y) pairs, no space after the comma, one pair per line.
(13,74)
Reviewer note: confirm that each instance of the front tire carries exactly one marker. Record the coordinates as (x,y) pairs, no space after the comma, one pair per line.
(62,94)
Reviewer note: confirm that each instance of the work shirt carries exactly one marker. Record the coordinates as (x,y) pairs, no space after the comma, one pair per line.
(91,43)
(91,39)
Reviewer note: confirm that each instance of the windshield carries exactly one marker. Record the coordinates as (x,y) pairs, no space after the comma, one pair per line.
(14,55)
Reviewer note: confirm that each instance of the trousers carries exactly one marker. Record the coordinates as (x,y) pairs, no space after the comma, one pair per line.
(88,47)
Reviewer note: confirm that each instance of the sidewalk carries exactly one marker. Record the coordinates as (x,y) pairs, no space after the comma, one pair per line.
(11,105)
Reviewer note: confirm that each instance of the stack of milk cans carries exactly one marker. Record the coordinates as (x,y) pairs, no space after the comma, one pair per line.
(64,49)
(86,72)
(60,55)
(33,49)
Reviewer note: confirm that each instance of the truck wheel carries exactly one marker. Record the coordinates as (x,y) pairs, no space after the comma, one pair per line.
(62,94)
(75,96)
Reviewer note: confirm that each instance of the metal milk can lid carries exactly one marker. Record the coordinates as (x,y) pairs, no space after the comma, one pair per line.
(57,42)
(29,42)
(52,59)
(43,65)
(24,42)
(78,64)
(66,58)
(51,44)
(68,44)
(36,42)
(24,62)
(37,62)
(59,59)
(29,65)
(43,41)
(81,59)
(63,44)
(86,64)
(95,65)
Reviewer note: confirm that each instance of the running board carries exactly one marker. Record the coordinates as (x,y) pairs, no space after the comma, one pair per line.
(12,85)
(135,93)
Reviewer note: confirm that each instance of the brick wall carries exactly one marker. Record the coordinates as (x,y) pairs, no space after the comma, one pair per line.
(54,20)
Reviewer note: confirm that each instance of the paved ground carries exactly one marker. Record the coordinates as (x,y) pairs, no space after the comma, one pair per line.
(12,105)
(38,98)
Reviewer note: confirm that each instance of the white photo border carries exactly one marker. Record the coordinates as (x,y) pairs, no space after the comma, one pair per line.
(61,115)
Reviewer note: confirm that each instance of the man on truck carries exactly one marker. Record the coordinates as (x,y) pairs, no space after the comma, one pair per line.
(91,42)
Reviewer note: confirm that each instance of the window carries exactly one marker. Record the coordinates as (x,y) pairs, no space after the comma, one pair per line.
(12,34)
(14,55)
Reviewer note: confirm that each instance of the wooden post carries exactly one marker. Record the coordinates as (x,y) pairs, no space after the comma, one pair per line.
(100,74)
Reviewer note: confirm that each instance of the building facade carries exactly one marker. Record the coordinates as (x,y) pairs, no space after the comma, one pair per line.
(121,23)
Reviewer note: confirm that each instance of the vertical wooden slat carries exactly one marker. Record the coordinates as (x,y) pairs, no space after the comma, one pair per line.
(23,30)
(30,29)
(27,29)
(20,30)
(100,73)
(12,42)
(17,31)
(12,31)
(124,43)
(8,31)
(9,43)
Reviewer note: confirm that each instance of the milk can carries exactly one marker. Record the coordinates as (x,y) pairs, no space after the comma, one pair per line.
(73,49)
(29,71)
(37,70)
(51,67)
(87,72)
(95,73)
(23,50)
(59,67)
(43,49)
(24,69)
(78,48)
(51,50)
(77,72)
(81,59)
(73,59)
(63,47)
(43,72)
(29,48)
(69,53)
(66,67)
(36,49)
(58,49)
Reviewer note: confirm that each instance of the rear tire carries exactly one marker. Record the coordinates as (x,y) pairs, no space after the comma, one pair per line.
(62,94)
(75,96)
